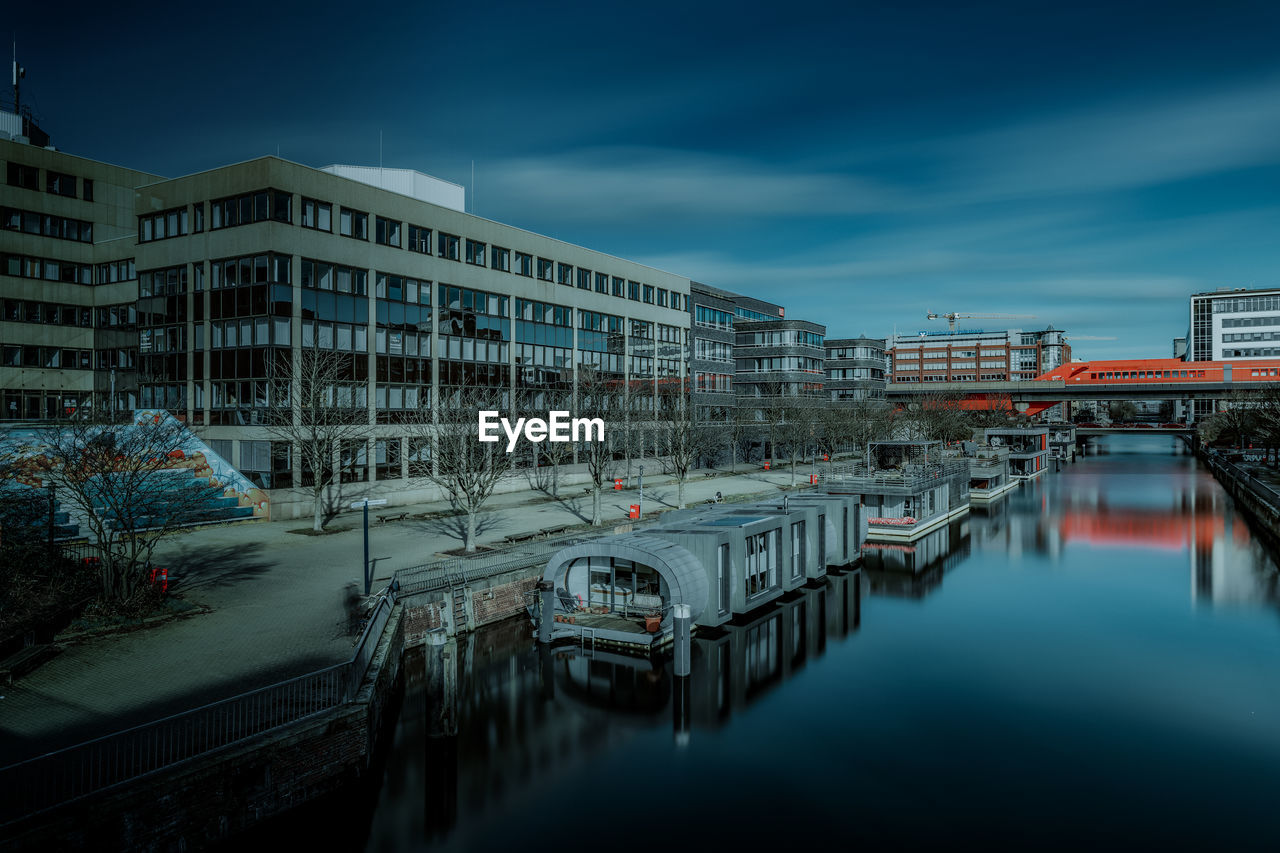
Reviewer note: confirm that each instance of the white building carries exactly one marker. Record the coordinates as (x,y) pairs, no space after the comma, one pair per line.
(1234,324)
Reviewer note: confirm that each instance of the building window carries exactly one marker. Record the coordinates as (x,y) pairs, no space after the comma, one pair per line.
(500,259)
(317,215)
(602,282)
(59,183)
(584,279)
(564,274)
(546,269)
(633,290)
(87,186)
(662,297)
(447,246)
(26,177)
(619,286)
(524,264)
(475,253)
(387,232)
(353,223)
(419,239)
(648,293)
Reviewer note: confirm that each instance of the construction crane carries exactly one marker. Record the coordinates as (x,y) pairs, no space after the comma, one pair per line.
(952,316)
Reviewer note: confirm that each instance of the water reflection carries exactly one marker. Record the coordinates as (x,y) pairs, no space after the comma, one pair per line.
(1058,671)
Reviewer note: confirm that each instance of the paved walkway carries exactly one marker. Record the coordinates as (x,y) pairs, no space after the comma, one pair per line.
(276,602)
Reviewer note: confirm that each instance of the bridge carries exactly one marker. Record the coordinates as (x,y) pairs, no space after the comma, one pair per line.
(1133,379)
(1084,430)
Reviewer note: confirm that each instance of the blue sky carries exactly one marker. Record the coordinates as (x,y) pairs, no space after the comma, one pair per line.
(1091,164)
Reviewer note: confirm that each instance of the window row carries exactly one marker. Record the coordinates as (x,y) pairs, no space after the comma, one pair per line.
(266,268)
(777,363)
(112,272)
(260,206)
(47,313)
(58,183)
(712,318)
(45,225)
(258,331)
(712,382)
(319,275)
(706,350)
(16,355)
(25,266)
(166,282)
(163,225)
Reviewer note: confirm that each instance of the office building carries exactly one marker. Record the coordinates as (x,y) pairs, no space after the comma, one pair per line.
(976,356)
(181,293)
(1234,324)
(855,369)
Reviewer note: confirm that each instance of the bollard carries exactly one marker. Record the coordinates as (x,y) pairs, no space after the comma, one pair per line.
(546,610)
(682,616)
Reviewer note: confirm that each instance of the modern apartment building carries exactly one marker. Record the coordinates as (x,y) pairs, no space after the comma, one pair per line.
(777,358)
(183,291)
(975,356)
(711,342)
(855,369)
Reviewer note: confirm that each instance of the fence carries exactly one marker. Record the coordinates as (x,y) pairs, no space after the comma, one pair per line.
(41,783)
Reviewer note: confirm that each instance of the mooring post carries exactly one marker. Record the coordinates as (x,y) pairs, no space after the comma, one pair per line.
(682,708)
(442,683)
(682,616)
(546,610)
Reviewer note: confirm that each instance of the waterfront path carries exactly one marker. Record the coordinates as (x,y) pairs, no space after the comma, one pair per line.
(275,609)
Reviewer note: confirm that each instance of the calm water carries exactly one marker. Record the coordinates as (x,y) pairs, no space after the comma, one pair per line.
(1096,660)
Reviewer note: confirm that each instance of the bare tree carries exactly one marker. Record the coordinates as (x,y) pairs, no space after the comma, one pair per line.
(936,416)
(125,483)
(682,437)
(316,407)
(600,396)
(740,431)
(553,453)
(798,428)
(466,468)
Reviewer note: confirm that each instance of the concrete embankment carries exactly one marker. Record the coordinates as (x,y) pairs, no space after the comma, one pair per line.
(1259,501)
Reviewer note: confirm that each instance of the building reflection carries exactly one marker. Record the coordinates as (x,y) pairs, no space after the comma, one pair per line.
(526,714)
(915,569)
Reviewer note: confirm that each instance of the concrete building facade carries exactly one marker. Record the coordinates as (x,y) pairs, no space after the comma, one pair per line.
(183,292)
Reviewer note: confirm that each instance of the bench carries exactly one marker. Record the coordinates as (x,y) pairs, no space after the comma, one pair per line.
(25,660)
(512,538)
(384,517)
(710,474)
(552,531)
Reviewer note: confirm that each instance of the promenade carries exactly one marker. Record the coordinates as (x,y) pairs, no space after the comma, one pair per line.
(275,608)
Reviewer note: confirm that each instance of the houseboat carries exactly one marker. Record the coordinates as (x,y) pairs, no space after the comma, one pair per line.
(907,487)
(1062,442)
(722,561)
(1028,448)
(989,476)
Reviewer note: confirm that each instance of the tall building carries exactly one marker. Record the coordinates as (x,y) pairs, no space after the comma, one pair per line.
(976,356)
(181,292)
(855,369)
(1236,324)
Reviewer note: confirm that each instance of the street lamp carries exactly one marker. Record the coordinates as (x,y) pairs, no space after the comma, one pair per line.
(641,504)
(366,503)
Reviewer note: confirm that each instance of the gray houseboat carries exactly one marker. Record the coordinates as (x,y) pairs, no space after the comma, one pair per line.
(908,487)
(989,476)
(1062,442)
(721,560)
(1028,448)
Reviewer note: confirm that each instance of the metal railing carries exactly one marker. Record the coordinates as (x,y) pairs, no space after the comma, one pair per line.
(37,784)
(456,571)
(908,477)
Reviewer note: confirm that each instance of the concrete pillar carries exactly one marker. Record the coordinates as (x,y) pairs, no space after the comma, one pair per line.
(440,789)
(682,616)
(546,610)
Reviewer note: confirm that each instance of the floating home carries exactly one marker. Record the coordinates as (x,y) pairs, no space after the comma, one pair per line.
(1062,442)
(722,561)
(908,487)
(989,476)
(1028,448)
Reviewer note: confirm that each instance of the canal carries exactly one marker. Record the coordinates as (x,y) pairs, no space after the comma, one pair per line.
(1094,659)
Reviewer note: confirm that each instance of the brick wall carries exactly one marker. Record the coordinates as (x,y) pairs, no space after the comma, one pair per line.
(501,602)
